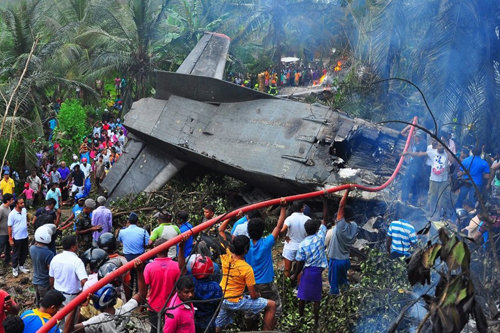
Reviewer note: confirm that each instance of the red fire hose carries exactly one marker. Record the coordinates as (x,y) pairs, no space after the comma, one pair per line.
(82,297)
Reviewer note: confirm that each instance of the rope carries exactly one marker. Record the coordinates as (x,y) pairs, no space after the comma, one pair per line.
(82,297)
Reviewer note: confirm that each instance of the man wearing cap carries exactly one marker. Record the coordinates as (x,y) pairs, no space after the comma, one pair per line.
(166,230)
(75,162)
(41,257)
(18,237)
(7,184)
(76,210)
(84,228)
(67,272)
(85,167)
(102,217)
(134,239)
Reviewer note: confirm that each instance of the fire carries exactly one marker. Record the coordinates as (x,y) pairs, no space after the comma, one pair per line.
(320,81)
(338,68)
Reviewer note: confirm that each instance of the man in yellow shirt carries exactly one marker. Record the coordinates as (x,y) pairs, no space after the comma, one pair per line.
(236,275)
(7,184)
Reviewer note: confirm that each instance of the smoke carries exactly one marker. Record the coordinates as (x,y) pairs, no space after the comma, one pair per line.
(450,49)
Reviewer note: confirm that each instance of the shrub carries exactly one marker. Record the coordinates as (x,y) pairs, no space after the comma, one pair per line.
(72,126)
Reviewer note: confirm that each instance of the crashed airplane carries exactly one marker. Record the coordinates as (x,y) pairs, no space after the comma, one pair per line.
(278,145)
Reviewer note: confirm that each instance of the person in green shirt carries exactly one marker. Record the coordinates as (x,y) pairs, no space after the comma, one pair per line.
(166,230)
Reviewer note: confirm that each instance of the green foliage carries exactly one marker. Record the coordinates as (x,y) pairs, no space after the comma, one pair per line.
(15,156)
(72,126)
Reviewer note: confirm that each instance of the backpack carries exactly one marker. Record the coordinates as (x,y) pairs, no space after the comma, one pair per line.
(45,218)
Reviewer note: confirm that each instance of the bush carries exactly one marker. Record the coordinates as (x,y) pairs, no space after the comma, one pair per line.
(72,126)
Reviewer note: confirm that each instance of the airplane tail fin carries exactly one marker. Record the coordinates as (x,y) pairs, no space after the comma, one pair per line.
(208,57)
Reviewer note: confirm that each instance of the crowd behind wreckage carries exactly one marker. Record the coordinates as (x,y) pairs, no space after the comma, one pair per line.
(200,284)
(292,74)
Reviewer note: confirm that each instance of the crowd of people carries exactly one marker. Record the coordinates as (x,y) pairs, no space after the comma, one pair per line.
(201,284)
(447,190)
(188,288)
(292,74)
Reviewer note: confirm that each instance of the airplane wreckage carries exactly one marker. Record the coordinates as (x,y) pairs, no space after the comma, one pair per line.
(279,145)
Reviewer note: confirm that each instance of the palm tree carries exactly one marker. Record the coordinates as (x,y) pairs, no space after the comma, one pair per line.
(303,28)
(119,40)
(445,47)
(184,26)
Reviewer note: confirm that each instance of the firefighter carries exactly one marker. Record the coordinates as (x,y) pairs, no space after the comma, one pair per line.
(273,89)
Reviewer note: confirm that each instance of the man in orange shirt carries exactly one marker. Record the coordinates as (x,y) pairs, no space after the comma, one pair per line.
(236,275)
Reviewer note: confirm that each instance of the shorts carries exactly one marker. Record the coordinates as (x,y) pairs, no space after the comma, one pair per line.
(268,291)
(246,304)
(75,188)
(289,254)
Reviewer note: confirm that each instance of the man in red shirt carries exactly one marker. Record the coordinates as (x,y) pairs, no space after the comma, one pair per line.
(7,306)
(161,275)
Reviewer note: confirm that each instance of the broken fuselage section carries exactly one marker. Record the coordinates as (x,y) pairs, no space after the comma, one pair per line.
(276,144)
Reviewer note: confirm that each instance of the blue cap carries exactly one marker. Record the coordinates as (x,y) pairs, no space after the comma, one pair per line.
(133,217)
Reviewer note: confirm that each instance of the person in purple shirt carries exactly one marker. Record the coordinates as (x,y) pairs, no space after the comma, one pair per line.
(63,183)
(102,216)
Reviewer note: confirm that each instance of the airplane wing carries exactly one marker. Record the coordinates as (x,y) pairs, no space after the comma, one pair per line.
(143,166)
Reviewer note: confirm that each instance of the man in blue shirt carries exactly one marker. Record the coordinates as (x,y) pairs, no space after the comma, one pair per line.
(76,210)
(184,225)
(34,319)
(135,240)
(260,257)
(52,126)
(479,171)
(41,256)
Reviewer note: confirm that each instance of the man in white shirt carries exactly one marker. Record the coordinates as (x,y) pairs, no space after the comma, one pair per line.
(35,184)
(18,237)
(85,167)
(439,202)
(67,271)
(241,229)
(294,227)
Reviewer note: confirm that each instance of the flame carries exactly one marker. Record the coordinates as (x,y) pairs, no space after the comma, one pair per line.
(320,81)
(338,68)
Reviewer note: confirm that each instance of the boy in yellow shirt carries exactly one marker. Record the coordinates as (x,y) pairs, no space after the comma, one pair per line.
(236,275)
